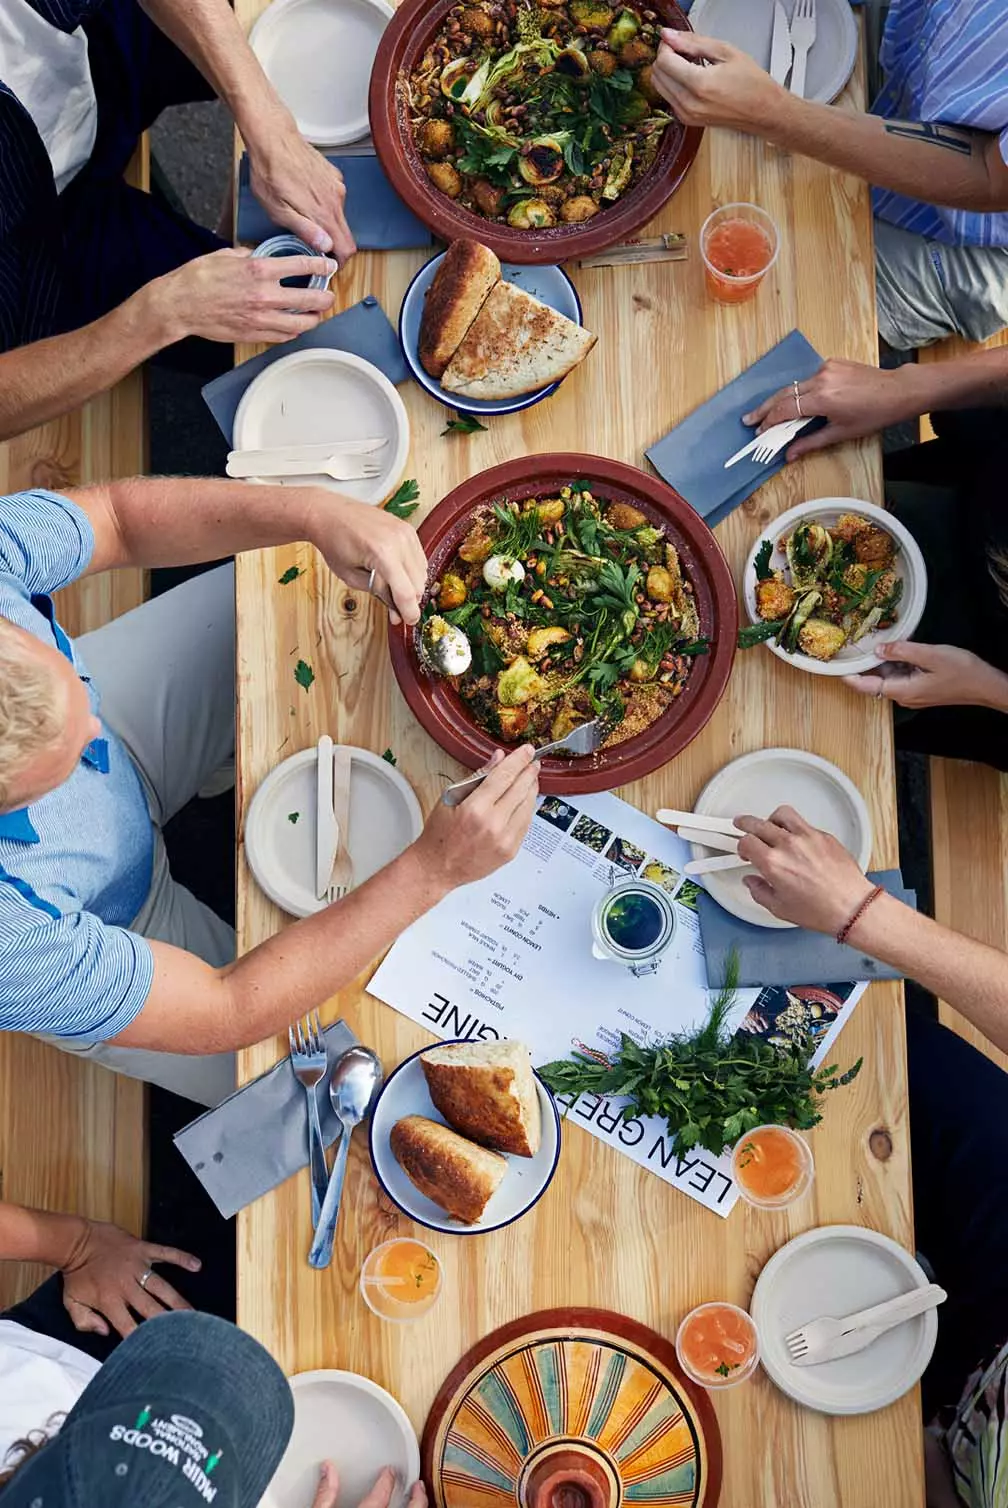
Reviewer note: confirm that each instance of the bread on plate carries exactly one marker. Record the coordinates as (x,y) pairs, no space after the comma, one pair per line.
(516,344)
(457,1174)
(487,1090)
(461,284)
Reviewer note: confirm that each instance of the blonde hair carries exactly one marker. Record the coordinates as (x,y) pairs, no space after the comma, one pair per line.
(31,710)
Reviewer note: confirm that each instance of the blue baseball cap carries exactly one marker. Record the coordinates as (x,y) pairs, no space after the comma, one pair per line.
(188,1410)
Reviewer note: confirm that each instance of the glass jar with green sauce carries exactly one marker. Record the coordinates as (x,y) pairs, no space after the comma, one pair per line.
(633,924)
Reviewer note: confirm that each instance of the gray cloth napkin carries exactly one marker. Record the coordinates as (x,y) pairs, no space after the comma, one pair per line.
(258,1136)
(774,956)
(691,457)
(363,329)
(377,217)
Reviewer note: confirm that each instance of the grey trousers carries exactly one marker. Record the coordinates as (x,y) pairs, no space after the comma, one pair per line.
(926,290)
(166,676)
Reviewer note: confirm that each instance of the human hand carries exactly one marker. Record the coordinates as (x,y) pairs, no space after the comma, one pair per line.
(357,537)
(855,399)
(466,842)
(101,1280)
(299,189)
(805,876)
(731,90)
(230,295)
(380,1495)
(932,675)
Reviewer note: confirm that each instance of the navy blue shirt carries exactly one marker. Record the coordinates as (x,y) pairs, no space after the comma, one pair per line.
(75,867)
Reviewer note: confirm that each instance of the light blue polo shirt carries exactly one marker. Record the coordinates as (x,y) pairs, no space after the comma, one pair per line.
(75,867)
(946,61)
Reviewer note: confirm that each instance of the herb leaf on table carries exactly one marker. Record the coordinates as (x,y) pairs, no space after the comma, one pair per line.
(462,424)
(709,1088)
(291,574)
(403,502)
(303,674)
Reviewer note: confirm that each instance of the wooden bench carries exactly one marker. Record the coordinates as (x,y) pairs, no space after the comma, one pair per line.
(969,825)
(73,1135)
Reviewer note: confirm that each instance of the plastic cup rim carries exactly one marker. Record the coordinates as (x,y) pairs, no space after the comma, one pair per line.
(728,277)
(782,1201)
(424,1309)
(744,1372)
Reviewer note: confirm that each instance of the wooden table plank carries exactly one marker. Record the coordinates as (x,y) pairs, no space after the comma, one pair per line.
(608,1233)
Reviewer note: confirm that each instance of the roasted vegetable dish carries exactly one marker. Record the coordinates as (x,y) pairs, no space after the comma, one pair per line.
(575,607)
(838,585)
(538,115)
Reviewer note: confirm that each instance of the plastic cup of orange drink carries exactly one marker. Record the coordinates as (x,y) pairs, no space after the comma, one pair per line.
(401,1280)
(718,1345)
(772,1166)
(739,244)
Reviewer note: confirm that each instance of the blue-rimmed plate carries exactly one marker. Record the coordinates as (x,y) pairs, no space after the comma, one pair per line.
(526,1180)
(550,284)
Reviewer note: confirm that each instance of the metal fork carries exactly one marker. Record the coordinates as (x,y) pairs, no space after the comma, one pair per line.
(582,740)
(803,35)
(308,1060)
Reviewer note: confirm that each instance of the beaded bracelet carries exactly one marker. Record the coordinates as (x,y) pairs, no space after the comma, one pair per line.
(845,930)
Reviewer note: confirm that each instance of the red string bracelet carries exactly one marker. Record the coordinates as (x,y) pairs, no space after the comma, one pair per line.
(845,930)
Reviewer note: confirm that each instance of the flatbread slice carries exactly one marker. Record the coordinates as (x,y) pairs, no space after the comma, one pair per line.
(454,299)
(515,345)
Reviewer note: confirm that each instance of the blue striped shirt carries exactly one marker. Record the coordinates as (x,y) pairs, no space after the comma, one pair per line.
(75,867)
(947,61)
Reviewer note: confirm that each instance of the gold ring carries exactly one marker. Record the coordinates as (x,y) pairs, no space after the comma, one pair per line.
(797,399)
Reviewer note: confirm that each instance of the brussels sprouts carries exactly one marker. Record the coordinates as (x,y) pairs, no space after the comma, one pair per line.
(530,214)
(543,162)
(518,683)
(623,30)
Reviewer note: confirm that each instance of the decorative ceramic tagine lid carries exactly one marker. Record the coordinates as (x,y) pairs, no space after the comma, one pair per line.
(571,1408)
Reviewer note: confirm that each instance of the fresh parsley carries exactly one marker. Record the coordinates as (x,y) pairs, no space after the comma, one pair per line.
(292,818)
(403,502)
(389,757)
(303,674)
(462,424)
(709,1088)
(291,574)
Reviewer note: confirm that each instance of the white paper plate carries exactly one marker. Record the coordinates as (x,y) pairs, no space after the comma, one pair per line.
(549,284)
(834,1271)
(527,1178)
(317,54)
(341,1417)
(909,565)
(756,785)
(385,818)
(748,24)
(310,397)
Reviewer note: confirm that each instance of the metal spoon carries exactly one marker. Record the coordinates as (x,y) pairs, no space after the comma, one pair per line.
(353,1087)
(443,648)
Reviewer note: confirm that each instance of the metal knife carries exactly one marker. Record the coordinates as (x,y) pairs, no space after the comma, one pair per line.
(326,831)
(781,51)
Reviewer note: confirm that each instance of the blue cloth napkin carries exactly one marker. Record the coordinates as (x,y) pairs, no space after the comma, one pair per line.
(691,457)
(363,329)
(378,218)
(258,1136)
(770,955)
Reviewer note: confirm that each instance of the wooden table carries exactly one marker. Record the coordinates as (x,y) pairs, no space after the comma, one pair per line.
(609,1234)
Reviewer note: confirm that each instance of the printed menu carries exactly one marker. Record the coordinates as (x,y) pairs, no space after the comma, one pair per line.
(511,956)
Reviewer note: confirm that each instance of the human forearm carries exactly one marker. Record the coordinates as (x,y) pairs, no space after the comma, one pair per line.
(209,34)
(939,164)
(193,1008)
(969,975)
(163,521)
(28,1235)
(41,381)
(976,381)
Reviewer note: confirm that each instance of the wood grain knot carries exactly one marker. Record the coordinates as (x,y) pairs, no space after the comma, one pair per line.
(350,604)
(642,301)
(880,1144)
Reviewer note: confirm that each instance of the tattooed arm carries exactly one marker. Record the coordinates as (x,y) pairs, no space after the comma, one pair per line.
(936,163)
